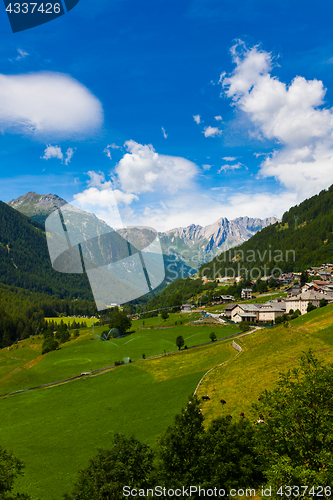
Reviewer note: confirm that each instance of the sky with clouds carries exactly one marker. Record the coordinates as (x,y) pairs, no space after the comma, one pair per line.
(188,111)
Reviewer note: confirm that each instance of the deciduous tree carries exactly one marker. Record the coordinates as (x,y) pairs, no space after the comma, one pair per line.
(296,438)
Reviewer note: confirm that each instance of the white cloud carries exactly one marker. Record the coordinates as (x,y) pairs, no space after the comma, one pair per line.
(230,158)
(52,152)
(48,105)
(69,155)
(102,200)
(108,152)
(56,152)
(224,168)
(293,115)
(22,54)
(114,146)
(205,208)
(197,119)
(206,167)
(212,131)
(142,169)
(218,118)
(165,135)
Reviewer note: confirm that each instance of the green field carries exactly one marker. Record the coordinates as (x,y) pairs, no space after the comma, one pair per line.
(22,366)
(266,353)
(56,430)
(69,320)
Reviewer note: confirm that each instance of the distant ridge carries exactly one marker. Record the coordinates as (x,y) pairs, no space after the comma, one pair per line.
(200,244)
(303,238)
(188,247)
(37,206)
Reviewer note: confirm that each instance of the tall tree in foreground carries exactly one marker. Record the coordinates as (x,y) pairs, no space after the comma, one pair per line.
(222,457)
(296,438)
(127,463)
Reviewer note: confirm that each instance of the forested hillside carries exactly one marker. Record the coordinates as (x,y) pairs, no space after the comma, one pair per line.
(22,313)
(304,238)
(25,262)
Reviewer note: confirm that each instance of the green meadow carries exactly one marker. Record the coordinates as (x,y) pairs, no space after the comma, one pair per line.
(69,320)
(22,365)
(56,430)
(266,353)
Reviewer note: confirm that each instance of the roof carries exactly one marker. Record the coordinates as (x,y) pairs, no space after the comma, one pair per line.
(247,315)
(230,307)
(247,290)
(250,307)
(309,295)
(269,308)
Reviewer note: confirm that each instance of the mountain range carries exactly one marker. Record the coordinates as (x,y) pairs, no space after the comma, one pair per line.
(303,238)
(187,246)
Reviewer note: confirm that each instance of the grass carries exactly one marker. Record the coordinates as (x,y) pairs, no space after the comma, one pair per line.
(56,430)
(22,366)
(60,428)
(69,320)
(265,354)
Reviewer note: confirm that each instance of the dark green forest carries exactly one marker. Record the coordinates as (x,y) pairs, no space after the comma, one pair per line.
(302,239)
(23,313)
(25,261)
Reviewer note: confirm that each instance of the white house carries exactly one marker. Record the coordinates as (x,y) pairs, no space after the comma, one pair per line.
(246,293)
(245,312)
(301,301)
(271,310)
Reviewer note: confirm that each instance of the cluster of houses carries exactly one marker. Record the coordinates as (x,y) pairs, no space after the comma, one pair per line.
(298,298)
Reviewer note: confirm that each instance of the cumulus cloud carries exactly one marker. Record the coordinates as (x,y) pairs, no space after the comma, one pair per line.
(218,118)
(101,199)
(230,158)
(197,119)
(142,169)
(206,167)
(52,152)
(165,135)
(48,104)
(293,115)
(212,131)
(56,152)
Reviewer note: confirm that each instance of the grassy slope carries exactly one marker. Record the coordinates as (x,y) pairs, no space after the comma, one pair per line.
(56,430)
(22,366)
(265,354)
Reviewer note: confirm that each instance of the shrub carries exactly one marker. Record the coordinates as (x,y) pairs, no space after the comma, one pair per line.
(49,345)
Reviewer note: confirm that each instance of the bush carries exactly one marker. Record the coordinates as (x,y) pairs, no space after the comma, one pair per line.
(49,345)
(310,307)
(164,315)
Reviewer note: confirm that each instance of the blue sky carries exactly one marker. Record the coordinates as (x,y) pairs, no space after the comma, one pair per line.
(190,110)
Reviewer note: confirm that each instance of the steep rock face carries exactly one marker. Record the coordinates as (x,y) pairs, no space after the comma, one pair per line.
(221,235)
